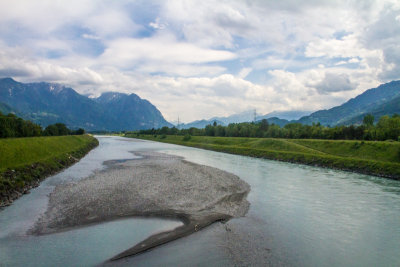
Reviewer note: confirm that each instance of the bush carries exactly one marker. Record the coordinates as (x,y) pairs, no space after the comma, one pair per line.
(398,154)
(163,136)
(187,137)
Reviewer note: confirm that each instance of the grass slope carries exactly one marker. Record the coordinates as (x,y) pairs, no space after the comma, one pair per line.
(375,158)
(26,161)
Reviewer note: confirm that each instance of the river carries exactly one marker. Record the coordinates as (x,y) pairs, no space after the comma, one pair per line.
(299,216)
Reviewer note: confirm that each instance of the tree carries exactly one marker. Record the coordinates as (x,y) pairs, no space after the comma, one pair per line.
(368,120)
(51,130)
(264,125)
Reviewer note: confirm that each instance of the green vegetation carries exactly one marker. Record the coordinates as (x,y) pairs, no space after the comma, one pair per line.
(369,157)
(387,128)
(25,161)
(12,126)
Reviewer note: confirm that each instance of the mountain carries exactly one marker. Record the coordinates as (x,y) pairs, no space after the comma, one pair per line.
(245,116)
(277,121)
(131,112)
(383,100)
(199,124)
(287,115)
(372,100)
(5,109)
(388,108)
(48,103)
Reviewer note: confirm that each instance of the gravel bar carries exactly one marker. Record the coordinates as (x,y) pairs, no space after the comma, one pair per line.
(155,185)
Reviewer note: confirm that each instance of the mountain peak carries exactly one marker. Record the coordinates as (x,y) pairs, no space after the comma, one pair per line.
(110,97)
(7,80)
(48,103)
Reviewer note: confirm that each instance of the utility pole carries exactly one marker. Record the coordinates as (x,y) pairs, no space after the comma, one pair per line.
(178,123)
(255,115)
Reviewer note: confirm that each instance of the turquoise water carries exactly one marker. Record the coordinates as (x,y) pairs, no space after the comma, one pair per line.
(299,216)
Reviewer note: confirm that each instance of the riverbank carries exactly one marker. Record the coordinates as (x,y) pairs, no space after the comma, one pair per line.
(24,162)
(367,157)
(156,185)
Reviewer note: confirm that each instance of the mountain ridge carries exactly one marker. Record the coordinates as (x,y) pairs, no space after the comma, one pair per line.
(48,103)
(361,104)
(379,101)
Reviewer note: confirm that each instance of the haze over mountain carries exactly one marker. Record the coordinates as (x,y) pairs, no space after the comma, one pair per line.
(48,103)
(280,118)
(383,100)
(379,101)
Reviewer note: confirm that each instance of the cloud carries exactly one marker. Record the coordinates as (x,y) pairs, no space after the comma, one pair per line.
(110,23)
(244,72)
(207,58)
(158,25)
(90,36)
(163,54)
(334,83)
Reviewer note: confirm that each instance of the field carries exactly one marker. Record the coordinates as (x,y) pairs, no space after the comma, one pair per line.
(25,161)
(369,157)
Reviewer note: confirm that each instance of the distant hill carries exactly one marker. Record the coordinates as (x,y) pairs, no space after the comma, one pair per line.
(244,116)
(387,108)
(287,115)
(6,109)
(376,100)
(383,100)
(277,121)
(48,103)
(199,124)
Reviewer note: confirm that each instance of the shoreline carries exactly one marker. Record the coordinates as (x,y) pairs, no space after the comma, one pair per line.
(155,185)
(33,174)
(386,170)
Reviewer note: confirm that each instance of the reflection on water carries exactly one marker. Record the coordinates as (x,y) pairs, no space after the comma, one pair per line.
(314,216)
(299,216)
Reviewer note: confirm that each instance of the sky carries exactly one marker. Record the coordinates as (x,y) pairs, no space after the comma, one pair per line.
(200,59)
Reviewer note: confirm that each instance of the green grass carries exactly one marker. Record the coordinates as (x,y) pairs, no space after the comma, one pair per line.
(370,157)
(24,161)
(17,152)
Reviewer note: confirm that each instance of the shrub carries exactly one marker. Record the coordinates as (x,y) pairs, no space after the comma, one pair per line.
(187,137)
(398,154)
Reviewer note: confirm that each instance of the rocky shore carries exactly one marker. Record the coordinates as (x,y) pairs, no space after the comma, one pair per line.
(157,185)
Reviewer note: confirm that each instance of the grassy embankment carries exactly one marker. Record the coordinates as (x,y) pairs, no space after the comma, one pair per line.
(24,162)
(369,157)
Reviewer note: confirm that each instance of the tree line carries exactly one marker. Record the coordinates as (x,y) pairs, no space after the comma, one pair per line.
(387,128)
(13,126)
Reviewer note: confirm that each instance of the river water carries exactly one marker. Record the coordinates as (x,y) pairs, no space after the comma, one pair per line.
(299,216)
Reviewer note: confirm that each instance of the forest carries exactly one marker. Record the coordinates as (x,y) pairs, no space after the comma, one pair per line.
(13,126)
(387,128)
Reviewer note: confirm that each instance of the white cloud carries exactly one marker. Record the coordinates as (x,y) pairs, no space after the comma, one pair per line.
(163,54)
(194,56)
(90,36)
(111,23)
(157,24)
(333,82)
(244,72)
